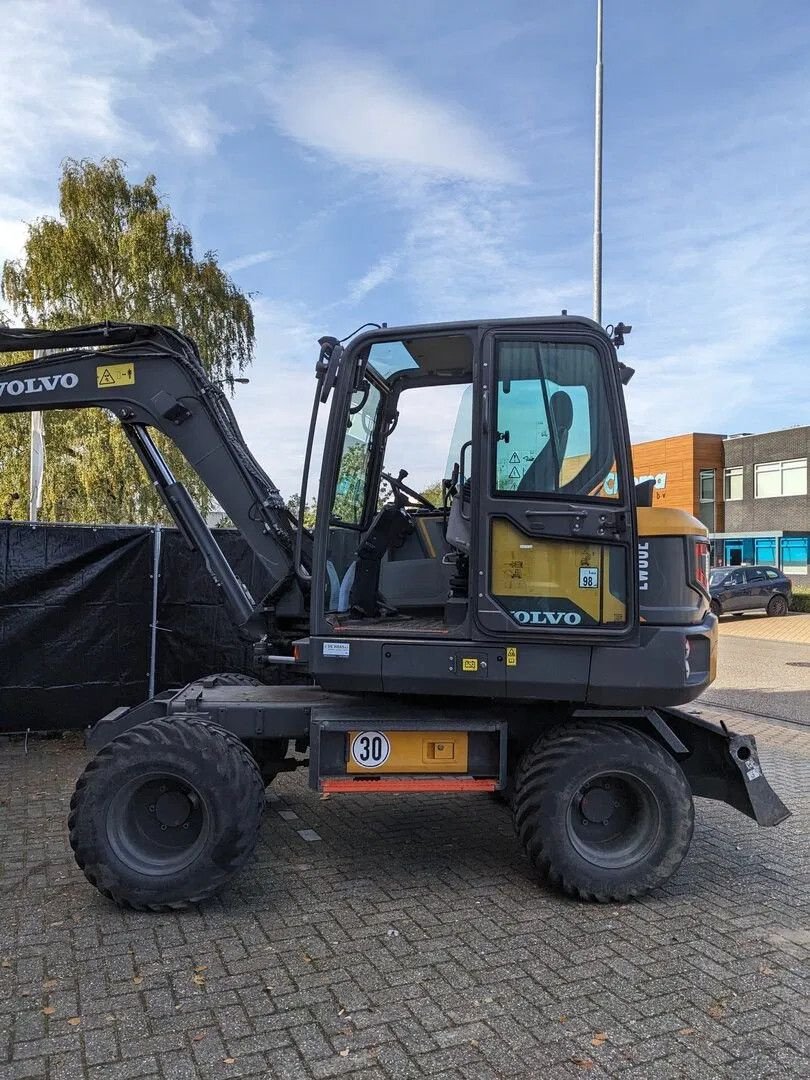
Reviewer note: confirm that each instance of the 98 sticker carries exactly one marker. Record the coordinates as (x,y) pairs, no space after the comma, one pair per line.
(589,577)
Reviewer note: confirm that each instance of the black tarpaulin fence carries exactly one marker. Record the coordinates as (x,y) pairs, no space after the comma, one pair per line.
(93,617)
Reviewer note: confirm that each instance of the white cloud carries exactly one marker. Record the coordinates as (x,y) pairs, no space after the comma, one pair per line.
(467,256)
(381,272)
(359,113)
(712,266)
(14,216)
(67,82)
(243,262)
(86,82)
(273,410)
(194,126)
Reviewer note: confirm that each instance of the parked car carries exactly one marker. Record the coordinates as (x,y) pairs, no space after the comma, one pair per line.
(749,588)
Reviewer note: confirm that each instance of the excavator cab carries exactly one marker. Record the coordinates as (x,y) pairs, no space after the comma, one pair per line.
(527,560)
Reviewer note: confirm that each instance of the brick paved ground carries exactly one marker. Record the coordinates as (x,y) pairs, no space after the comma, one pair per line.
(793,627)
(408,941)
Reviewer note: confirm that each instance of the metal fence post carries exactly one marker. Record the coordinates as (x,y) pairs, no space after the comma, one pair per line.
(154,624)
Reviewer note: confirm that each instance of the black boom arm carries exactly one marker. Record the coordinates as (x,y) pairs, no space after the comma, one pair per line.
(152,376)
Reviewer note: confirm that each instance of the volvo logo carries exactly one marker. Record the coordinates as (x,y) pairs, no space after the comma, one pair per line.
(42,384)
(547,618)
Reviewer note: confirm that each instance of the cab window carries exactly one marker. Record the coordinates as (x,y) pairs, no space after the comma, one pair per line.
(350,493)
(555,434)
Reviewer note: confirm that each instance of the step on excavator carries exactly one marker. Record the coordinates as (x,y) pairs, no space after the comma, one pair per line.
(530,630)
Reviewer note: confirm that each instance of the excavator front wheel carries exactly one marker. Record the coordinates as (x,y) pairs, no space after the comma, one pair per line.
(603,811)
(167,813)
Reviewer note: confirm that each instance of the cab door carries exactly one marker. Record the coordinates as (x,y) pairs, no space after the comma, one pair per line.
(556,555)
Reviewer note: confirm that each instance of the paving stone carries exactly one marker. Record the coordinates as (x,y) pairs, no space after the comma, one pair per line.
(487,975)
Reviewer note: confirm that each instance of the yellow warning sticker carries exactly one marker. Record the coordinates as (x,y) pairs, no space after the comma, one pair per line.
(115,375)
(511,656)
(469,665)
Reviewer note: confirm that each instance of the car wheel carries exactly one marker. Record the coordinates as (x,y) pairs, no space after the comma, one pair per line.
(777,605)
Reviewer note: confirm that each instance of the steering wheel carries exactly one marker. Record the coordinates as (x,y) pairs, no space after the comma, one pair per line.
(403,489)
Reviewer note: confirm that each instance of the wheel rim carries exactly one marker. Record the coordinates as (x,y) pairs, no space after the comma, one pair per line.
(158,824)
(778,605)
(613,819)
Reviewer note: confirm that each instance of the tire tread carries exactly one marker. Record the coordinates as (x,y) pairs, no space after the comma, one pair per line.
(535,775)
(239,773)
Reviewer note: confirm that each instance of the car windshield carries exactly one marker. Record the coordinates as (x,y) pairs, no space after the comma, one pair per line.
(717,577)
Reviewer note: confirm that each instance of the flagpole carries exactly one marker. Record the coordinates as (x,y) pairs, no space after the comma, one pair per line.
(597,173)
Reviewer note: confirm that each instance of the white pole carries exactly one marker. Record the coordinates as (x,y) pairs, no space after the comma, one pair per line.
(36,469)
(597,174)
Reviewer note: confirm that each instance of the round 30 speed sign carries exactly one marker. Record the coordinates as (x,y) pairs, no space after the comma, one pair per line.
(370,749)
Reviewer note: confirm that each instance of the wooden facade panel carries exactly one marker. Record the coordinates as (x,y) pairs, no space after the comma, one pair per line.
(676,463)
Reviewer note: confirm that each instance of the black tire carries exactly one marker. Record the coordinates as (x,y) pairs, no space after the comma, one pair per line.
(603,811)
(777,606)
(716,609)
(274,675)
(269,753)
(234,678)
(166,814)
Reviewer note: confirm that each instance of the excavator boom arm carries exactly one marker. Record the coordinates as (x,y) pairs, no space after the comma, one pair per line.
(152,377)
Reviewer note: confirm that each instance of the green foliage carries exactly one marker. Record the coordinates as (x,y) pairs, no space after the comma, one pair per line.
(350,492)
(434,493)
(801,599)
(310,511)
(347,506)
(114,252)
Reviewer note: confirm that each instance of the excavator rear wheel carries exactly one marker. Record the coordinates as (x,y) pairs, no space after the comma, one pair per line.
(603,811)
(167,813)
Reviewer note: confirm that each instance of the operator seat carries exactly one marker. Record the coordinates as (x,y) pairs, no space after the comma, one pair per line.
(359,590)
(540,474)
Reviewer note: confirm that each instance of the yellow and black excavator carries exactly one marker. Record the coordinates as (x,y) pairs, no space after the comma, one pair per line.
(529,630)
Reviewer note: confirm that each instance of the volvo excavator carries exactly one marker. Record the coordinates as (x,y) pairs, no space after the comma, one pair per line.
(532,630)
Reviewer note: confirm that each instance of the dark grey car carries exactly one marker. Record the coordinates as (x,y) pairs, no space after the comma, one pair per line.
(749,588)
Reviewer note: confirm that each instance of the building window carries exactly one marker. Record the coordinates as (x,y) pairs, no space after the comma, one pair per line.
(765,551)
(706,487)
(775,478)
(794,554)
(734,484)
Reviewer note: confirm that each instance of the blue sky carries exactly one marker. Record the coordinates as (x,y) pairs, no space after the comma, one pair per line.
(421,161)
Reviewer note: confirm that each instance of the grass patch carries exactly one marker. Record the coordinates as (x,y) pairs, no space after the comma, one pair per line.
(801,599)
